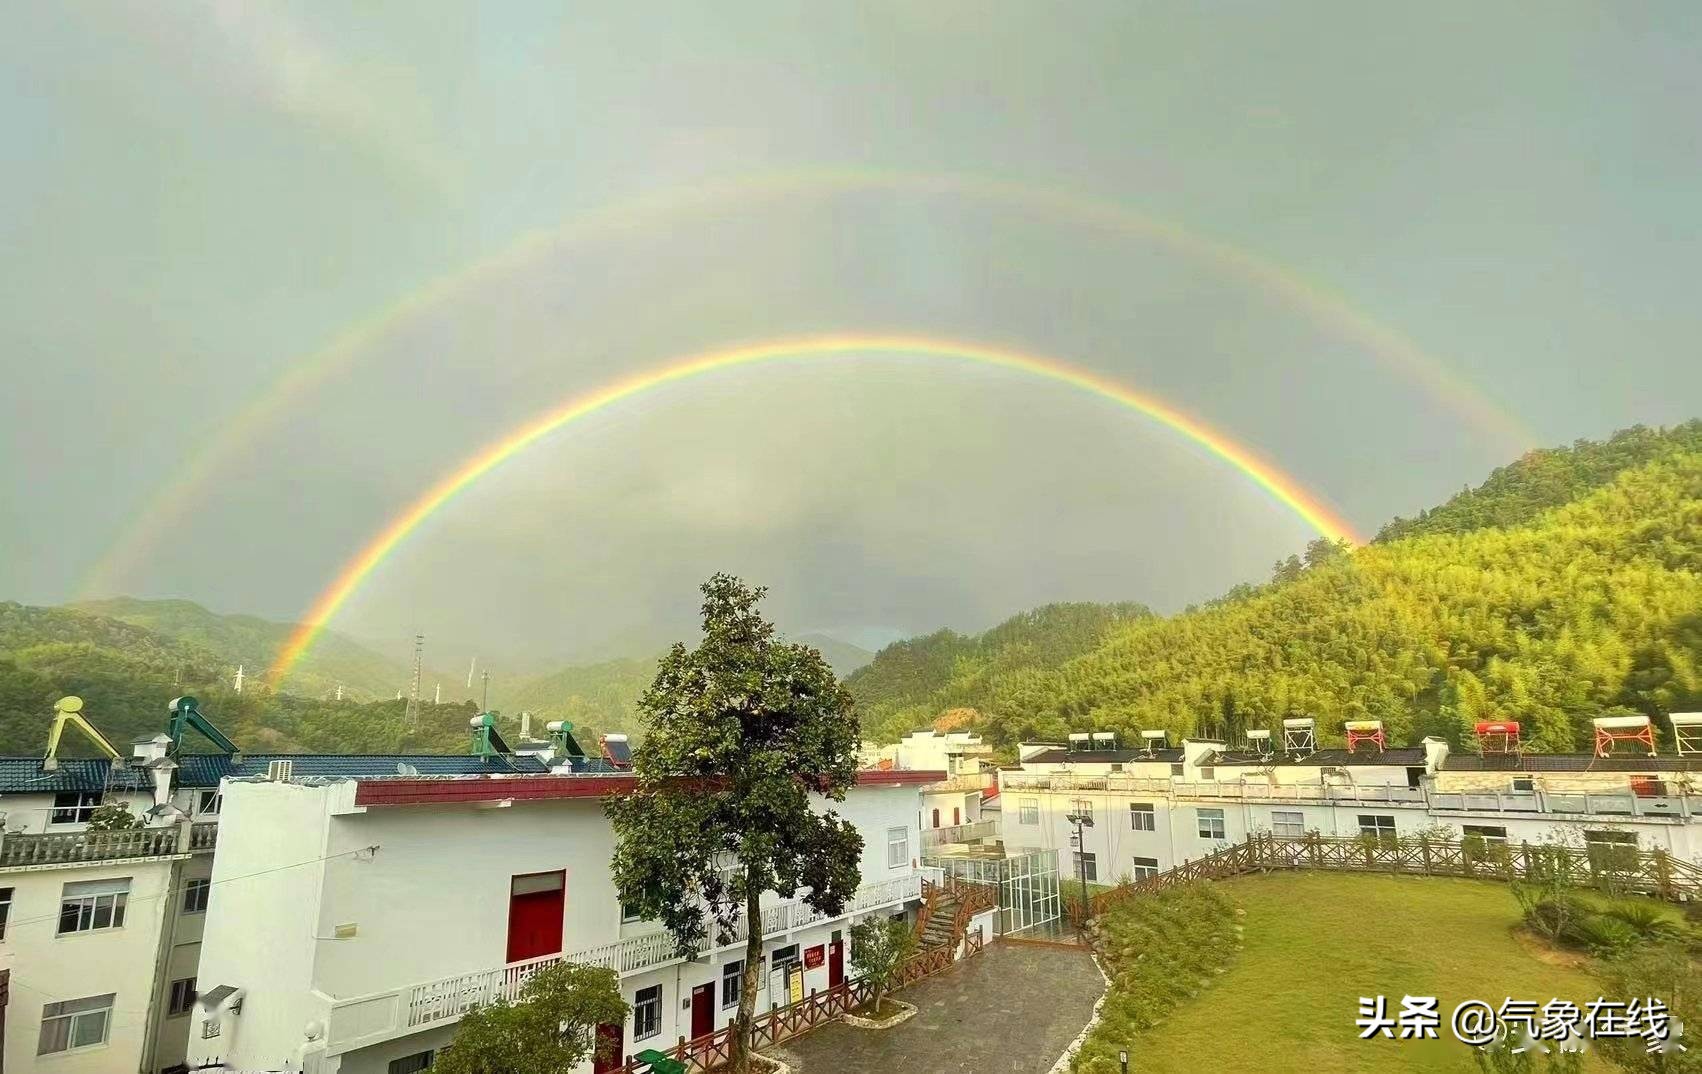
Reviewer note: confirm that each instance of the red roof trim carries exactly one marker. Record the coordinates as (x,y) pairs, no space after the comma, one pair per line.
(388,792)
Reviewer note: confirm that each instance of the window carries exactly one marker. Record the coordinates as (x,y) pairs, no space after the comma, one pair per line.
(417,1063)
(1176,770)
(93,904)
(1287,824)
(1481,842)
(647,1012)
(1378,826)
(74,1023)
(897,848)
(182,997)
(1087,866)
(1492,833)
(629,913)
(5,909)
(208,804)
(195,892)
(1144,867)
(1028,811)
(75,807)
(936,823)
(732,983)
(1524,783)
(1611,851)
(1082,807)
(1210,823)
(1208,772)
(1141,817)
(784,956)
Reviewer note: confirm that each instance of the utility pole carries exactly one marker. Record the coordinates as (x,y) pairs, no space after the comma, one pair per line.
(1081,820)
(239,678)
(485,705)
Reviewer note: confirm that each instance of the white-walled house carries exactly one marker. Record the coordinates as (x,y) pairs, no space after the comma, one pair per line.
(1156,806)
(358,918)
(952,807)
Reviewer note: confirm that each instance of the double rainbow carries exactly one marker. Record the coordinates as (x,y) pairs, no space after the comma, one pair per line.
(1282,487)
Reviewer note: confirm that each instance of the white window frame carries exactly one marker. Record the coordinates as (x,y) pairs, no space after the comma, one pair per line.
(1143,817)
(630,914)
(1482,831)
(1208,772)
(5,909)
(182,997)
(196,892)
(91,898)
(646,1007)
(732,983)
(1082,806)
(92,1007)
(208,803)
(1384,834)
(77,813)
(1141,868)
(1028,811)
(898,848)
(1205,817)
(1288,824)
(421,1061)
(1085,861)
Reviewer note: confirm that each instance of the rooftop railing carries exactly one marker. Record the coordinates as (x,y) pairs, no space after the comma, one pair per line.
(20,850)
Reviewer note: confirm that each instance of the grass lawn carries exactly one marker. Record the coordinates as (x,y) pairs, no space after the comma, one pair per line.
(1316,942)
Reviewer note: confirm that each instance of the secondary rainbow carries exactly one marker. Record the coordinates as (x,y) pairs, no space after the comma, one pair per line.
(172,503)
(1282,487)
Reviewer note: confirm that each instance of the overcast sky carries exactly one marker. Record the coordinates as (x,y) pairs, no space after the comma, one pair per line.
(197,197)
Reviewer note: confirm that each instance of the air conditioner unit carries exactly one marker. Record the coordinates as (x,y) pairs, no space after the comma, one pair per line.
(279,771)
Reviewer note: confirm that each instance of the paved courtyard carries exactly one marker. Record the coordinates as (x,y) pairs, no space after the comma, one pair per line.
(1013,1008)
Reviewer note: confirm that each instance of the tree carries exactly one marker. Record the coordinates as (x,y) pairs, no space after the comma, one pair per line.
(879,946)
(551,1027)
(112,817)
(1663,971)
(742,732)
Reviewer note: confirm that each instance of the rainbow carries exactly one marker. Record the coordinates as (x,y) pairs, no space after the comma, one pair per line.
(160,515)
(1283,488)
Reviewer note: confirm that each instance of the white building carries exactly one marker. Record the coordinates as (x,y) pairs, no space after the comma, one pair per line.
(1156,806)
(357,918)
(100,933)
(951,809)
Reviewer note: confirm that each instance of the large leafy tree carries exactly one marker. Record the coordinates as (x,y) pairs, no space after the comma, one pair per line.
(551,1028)
(747,736)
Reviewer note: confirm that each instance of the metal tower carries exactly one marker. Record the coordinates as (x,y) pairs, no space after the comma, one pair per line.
(411,715)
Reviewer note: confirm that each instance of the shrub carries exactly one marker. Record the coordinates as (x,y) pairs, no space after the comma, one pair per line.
(112,817)
(1554,917)
(1648,920)
(1601,935)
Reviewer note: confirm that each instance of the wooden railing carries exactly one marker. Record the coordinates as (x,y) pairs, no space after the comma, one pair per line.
(714,1050)
(1653,872)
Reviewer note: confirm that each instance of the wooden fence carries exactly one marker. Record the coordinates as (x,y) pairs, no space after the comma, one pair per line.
(1611,867)
(715,1049)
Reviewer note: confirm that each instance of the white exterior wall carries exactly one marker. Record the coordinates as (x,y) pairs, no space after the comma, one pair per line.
(47,967)
(33,813)
(432,902)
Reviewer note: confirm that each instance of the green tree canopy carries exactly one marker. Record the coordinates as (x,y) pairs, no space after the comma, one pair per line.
(550,1029)
(742,732)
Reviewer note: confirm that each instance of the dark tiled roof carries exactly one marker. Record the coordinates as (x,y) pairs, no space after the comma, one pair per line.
(24,775)
(1570,762)
(1061,755)
(1402,757)
(205,770)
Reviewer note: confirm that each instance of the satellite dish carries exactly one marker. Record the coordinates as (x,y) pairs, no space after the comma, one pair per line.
(68,704)
(403,768)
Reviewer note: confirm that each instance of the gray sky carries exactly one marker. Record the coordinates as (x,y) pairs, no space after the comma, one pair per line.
(200,196)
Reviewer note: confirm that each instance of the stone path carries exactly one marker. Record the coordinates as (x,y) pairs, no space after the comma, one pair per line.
(1014,1007)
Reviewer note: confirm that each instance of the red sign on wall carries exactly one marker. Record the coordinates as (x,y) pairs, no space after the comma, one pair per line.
(814,956)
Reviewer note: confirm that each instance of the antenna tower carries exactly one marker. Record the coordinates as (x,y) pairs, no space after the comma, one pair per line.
(239,678)
(411,715)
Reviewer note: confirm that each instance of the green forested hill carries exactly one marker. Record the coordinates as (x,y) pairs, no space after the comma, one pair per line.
(253,642)
(1548,478)
(593,697)
(908,682)
(1592,606)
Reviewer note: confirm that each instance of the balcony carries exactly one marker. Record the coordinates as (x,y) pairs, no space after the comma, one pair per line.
(974,832)
(1232,790)
(21,851)
(359,1021)
(1624,804)
(964,781)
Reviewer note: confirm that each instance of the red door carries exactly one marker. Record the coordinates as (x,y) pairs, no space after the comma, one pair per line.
(608,1054)
(702,1011)
(956,816)
(936,818)
(836,963)
(535,905)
